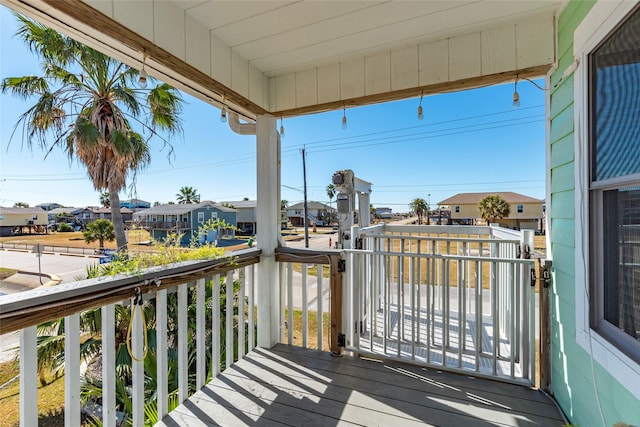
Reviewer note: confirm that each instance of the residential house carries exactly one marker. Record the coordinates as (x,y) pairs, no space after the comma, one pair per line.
(20,220)
(185,219)
(318,213)
(134,204)
(64,214)
(383,213)
(525,213)
(308,57)
(245,215)
(49,206)
(91,213)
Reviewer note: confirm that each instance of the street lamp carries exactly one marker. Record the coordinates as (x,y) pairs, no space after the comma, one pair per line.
(428,209)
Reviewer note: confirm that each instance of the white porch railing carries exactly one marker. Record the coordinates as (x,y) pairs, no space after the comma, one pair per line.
(453,297)
(221,341)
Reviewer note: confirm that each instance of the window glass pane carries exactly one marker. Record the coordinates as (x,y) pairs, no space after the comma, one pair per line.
(621,296)
(615,70)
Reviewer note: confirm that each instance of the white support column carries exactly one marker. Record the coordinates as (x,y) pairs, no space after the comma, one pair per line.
(364,218)
(268,223)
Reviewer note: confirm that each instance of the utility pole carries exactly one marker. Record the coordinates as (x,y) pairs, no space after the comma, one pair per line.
(306,219)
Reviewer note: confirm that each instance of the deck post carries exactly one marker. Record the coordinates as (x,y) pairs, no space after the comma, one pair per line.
(545,325)
(336,305)
(268,222)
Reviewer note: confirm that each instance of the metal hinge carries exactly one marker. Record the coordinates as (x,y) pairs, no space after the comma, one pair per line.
(359,243)
(545,267)
(342,340)
(342,266)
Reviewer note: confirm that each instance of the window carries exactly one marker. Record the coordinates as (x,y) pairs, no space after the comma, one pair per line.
(214,215)
(520,208)
(614,186)
(457,209)
(200,217)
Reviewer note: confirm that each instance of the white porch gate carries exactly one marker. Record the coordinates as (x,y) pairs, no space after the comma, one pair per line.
(456,298)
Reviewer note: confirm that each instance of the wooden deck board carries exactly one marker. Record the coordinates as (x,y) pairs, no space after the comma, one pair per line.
(293,386)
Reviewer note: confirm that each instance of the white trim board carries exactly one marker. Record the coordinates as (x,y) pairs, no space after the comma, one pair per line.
(599,22)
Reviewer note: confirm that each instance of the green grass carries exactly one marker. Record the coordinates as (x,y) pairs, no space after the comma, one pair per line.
(50,399)
(6,272)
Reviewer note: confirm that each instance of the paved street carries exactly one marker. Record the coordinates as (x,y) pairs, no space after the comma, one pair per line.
(67,268)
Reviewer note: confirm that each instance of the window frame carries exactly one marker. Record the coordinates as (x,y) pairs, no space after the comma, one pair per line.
(602,19)
(457,208)
(520,208)
(201,217)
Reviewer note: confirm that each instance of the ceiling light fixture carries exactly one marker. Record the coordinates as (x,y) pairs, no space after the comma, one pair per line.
(223,111)
(516,95)
(142,79)
(420,115)
(344,118)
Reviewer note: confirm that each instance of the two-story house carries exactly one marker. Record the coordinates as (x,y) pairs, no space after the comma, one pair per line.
(186,220)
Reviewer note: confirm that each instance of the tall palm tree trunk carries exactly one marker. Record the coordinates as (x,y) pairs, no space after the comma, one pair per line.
(116,218)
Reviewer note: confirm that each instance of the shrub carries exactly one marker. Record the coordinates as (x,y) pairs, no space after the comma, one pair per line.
(64,227)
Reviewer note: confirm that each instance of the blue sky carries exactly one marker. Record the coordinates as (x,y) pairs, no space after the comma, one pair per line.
(469,141)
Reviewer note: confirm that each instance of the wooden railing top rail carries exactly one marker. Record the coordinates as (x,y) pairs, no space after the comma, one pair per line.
(32,307)
(310,256)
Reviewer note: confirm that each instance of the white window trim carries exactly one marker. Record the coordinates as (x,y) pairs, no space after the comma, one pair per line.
(599,22)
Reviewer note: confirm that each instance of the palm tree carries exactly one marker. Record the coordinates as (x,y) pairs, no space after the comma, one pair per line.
(100,230)
(188,195)
(419,207)
(85,104)
(331,192)
(20,205)
(493,207)
(104,199)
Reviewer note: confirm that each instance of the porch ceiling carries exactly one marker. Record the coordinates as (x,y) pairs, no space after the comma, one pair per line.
(294,57)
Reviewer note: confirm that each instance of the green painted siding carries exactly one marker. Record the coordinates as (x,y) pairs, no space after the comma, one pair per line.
(572,379)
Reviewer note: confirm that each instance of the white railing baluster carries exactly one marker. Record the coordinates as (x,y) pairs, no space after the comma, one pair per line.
(319,296)
(241,308)
(183,352)
(305,306)
(109,365)
(251,303)
(161,354)
(229,344)
(201,372)
(28,377)
(137,366)
(282,269)
(289,303)
(72,370)
(215,324)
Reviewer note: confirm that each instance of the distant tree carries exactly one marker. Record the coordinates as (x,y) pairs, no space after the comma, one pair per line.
(419,207)
(284,204)
(187,195)
(331,192)
(156,203)
(171,202)
(100,230)
(245,199)
(20,205)
(104,199)
(493,208)
(228,205)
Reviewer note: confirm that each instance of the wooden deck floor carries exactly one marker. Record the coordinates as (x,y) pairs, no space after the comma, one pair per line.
(298,387)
